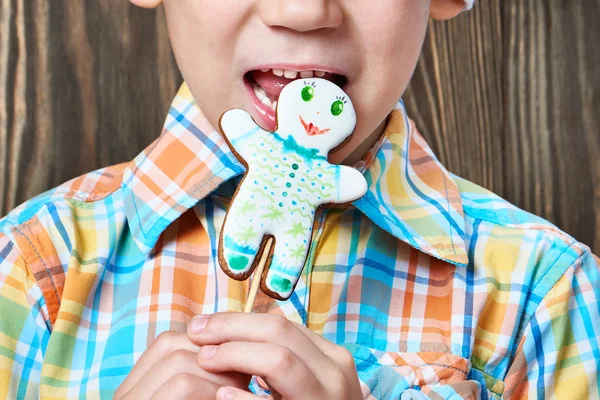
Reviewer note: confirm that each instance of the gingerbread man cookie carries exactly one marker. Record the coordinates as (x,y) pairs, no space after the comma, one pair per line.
(287,179)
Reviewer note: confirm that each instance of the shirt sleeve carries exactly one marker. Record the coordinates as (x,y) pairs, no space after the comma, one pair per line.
(24,326)
(559,356)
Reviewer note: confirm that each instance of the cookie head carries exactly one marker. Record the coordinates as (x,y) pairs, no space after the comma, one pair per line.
(316,112)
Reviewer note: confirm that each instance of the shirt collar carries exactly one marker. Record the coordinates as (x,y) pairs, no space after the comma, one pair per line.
(411,195)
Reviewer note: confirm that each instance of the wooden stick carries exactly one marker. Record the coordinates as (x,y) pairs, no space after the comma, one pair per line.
(257,276)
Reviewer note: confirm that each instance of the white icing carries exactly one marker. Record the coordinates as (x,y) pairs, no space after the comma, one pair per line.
(288,178)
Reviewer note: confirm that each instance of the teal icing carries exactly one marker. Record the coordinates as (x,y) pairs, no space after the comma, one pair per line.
(291,146)
(245,136)
(232,244)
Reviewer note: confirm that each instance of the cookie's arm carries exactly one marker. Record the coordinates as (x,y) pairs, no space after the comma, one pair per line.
(351,185)
(238,126)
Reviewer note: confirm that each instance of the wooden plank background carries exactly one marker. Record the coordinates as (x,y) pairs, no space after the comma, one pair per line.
(507,95)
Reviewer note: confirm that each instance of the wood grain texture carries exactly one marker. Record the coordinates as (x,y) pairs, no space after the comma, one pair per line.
(82,85)
(507,96)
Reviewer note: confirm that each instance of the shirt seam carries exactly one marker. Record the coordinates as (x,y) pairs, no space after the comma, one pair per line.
(28,268)
(547,230)
(441,365)
(563,272)
(56,198)
(37,253)
(449,213)
(505,222)
(570,266)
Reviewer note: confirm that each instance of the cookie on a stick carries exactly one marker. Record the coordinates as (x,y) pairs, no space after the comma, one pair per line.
(288,177)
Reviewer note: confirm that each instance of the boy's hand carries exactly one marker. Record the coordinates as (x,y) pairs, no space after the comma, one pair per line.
(169,369)
(294,361)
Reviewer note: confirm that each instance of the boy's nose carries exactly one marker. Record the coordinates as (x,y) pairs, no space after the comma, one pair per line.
(301,15)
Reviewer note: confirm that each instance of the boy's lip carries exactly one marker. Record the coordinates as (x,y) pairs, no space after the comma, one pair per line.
(266,113)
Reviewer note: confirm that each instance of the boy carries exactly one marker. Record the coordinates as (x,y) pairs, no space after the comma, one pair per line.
(428,287)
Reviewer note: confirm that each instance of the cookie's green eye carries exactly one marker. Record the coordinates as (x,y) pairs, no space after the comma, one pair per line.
(337,107)
(308,92)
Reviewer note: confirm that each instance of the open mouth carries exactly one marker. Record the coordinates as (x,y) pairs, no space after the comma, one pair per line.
(265,85)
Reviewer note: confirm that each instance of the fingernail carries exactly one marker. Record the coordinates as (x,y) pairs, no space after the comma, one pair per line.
(226,393)
(198,323)
(207,352)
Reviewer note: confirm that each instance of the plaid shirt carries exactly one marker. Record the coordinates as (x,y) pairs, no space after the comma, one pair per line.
(439,288)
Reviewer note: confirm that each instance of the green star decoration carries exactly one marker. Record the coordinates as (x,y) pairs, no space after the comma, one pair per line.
(275,213)
(247,206)
(246,235)
(298,253)
(297,229)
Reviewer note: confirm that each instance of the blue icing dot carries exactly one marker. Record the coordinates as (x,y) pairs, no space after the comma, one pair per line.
(284,194)
(265,188)
(322,187)
(319,164)
(294,166)
(299,191)
(320,175)
(276,165)
(265,159)
(294,202)
(262,145)
(313,184)
(272,193)
(288,185)
(280,205)
(302,179)
(256,182)
(293,175)
(284,158)
(305,241)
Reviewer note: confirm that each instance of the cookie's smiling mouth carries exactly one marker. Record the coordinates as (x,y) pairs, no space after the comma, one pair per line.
(311,129)
(265,86)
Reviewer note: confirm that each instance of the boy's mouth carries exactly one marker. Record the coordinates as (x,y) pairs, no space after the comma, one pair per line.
(265,85)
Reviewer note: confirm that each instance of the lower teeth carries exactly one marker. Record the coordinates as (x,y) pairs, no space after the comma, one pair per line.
(262,96)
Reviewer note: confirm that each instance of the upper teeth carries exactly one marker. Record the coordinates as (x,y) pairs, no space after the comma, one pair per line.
(292,74)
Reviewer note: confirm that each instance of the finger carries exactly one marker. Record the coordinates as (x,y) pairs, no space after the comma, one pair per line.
(284,371)
(186,387)
(166,343)
(327,347)
(231,393)
(340,355)
(265,328)
(181,362)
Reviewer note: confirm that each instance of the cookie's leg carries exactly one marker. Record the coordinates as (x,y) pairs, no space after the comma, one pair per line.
(288,261)
(240,242)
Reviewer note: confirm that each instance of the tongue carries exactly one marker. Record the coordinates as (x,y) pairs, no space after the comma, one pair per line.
(273,84)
